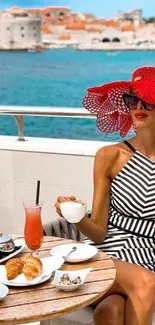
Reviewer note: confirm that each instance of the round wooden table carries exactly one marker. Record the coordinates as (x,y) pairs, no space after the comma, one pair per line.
(41,302)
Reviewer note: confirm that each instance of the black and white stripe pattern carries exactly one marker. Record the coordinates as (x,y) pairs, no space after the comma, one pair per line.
(131,225)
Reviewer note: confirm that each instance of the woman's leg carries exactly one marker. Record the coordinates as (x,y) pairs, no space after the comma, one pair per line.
(111,311)
(138,284)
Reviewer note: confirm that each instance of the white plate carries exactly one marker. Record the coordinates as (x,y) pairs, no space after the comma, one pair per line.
(42,280)
(83,252)
(3,291)
(50,264)
(18,242)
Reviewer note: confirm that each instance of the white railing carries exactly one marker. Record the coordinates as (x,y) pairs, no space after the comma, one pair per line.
(19,111)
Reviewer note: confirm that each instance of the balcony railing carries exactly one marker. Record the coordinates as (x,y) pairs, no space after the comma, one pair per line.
(19,111)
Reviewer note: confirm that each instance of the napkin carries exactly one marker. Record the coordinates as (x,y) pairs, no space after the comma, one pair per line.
(5,254)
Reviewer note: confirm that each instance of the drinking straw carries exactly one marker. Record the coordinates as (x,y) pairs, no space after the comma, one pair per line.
(37,192)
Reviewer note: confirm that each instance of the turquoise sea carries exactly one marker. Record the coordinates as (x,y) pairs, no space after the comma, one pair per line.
(60,78)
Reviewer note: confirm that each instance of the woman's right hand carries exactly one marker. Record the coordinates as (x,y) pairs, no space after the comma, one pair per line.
(61,199)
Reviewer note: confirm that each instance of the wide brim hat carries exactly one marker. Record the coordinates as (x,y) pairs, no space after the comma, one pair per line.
(106,101)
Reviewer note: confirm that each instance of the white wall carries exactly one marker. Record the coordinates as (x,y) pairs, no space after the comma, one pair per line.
(64,167)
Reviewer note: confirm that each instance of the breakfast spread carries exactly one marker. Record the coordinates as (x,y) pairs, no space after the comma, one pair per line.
(65,280)
(30,266)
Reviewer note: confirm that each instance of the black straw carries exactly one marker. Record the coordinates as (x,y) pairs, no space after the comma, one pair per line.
(38,192)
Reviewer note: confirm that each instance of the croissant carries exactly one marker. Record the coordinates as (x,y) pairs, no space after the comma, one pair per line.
(33,267)
(14,267)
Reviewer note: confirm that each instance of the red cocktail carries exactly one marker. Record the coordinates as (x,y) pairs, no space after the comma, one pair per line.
(33,231)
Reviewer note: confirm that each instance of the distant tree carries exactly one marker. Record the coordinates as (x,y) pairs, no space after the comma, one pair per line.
(149,20)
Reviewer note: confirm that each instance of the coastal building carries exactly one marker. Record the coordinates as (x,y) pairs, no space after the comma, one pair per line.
(51,15)
(58,26)
(110,34)
(146,32)
(85,28)
(132,15)
(19,30)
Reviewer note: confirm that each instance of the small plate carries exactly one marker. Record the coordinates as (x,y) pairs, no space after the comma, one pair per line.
(83,252)
(50,264)
(3,291)
(72,275)
(18,242)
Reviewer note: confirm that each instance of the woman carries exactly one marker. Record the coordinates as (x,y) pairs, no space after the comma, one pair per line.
(123,212)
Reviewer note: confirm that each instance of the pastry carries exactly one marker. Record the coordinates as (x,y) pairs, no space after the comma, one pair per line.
(32,268)
(14,267)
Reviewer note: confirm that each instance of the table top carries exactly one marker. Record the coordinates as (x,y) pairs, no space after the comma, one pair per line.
(40,302)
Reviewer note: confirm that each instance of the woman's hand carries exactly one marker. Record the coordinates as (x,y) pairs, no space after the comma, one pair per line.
(61,199)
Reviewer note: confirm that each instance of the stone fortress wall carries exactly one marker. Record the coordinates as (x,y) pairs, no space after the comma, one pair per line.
(19,30)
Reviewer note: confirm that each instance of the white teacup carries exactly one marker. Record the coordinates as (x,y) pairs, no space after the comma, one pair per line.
(73,212)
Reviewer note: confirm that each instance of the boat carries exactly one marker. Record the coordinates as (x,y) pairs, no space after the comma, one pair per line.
(36,49)
(113,53)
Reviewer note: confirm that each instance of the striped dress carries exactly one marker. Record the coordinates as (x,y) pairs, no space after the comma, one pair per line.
(131,223)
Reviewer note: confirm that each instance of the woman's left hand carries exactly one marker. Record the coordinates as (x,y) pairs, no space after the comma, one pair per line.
(62,199)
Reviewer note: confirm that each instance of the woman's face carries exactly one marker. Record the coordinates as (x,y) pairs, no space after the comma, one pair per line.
(142,113)
(142,117)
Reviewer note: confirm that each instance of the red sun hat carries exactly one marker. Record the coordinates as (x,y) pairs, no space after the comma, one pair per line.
(107,103)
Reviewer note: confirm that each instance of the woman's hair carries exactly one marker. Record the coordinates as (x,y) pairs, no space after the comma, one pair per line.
(131,92)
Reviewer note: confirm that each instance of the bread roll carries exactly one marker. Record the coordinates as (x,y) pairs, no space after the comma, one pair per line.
(13,267)
(33,267)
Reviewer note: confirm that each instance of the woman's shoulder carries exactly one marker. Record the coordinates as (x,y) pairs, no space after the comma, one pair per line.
(112,157)
(108,156)
(110,152)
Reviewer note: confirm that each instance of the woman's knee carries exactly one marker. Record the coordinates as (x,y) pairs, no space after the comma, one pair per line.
(144,288)
(110,310)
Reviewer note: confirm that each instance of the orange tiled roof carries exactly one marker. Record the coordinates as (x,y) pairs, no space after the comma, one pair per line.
(112,23)
(73,14)
(44,17)
(76,26)
(102,20)
(125,22)
(129,28)
(142,25)
(89,15)
(44,11)
(93,30)
(50,9)
(75,17)
(60,23)
(64,38)
(34,10)
(47,28)
(95,22)
(65,21)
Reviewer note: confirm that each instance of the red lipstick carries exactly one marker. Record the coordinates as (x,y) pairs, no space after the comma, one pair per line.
(140,115)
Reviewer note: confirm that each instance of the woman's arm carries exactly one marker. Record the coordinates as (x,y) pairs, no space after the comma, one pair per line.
(95,228)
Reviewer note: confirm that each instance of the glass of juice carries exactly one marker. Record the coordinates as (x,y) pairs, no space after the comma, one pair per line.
(33,231)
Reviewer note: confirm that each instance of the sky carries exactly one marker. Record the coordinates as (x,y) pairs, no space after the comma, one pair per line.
(101,8)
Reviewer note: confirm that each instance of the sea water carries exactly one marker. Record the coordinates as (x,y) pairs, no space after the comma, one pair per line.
(60,78)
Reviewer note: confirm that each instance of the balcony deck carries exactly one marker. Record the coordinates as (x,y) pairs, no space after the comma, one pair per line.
(64,167)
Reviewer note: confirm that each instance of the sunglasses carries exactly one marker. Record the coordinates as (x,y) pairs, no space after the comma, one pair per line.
(131,102)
